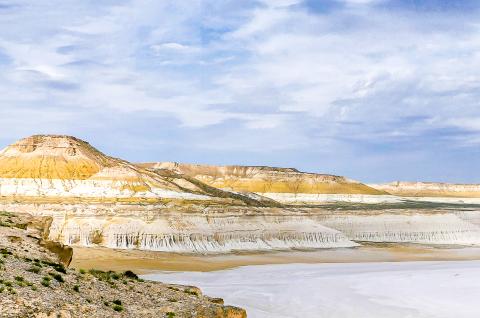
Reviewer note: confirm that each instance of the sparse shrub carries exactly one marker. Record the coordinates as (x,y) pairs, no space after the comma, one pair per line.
(46,281)
(60,268)
(8,284)
(34,288)
(170,314)
(4,251)
(34,269)
(130,274)
(19,278)
(101,275)
(82,271)
(76,288)
(57,277)
(117,302)
(191,292)
(117,308)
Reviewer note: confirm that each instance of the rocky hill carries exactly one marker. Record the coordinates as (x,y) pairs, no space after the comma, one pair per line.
(430,189)
(36,282)
(53,168)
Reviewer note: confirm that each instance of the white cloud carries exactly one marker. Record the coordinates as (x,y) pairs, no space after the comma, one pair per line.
(352,74)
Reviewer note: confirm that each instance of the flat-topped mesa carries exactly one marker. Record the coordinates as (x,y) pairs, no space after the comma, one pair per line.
(52,157)
(430,189)
(45,167)
(287,185)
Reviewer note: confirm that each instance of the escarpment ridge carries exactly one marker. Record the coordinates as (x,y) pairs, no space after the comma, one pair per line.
(50,167)
(97,200)
(286,185)
(432,189)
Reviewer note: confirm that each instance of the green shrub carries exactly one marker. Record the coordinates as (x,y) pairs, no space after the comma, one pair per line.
(117,308)
(46,281)
(76,288)
(130,274)
(4,251)
(34,269)
(57,277)
(170,314)
(117,302)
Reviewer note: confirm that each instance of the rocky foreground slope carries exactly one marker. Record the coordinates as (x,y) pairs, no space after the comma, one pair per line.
(35,282)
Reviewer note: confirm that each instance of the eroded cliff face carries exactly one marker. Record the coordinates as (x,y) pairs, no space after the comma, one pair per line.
(219,229)
(58,168)
(285,185)
(194,229)
(430,189)
(96,200)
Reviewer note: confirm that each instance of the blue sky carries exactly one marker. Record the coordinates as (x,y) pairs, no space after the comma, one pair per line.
(377,90)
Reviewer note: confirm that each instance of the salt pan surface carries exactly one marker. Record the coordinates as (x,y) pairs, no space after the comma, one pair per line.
(356,290)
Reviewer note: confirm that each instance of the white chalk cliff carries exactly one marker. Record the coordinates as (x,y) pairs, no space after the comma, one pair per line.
(97,200)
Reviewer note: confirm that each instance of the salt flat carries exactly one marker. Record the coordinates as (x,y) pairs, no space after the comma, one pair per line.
(403,289)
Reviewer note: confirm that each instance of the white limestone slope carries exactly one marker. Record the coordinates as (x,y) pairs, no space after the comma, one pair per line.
(425,228)
(197,233)
(318,198)
(59,188)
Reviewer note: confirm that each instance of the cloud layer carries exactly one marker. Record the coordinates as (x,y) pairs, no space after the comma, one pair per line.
(378,90)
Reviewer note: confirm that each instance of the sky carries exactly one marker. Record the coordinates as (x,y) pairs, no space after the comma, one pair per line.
(376,90)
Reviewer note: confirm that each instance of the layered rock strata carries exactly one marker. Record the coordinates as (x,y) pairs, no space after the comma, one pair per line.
(60,168)
(430,189)
(220,229)
(97,200)
(285,185)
